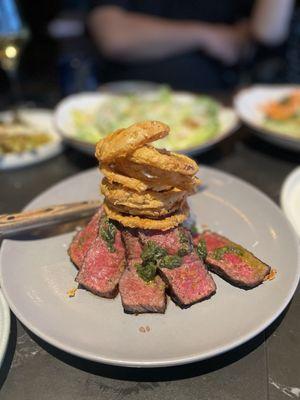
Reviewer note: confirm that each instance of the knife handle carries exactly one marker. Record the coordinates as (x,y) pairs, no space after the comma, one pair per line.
(28,220)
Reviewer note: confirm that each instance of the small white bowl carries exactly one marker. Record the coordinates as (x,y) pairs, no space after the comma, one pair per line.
(290,198)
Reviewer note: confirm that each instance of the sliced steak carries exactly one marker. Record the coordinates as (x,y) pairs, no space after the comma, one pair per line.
(190,282)
(137,295)
(84,239)
(104,263)
(172,240)
(231,261)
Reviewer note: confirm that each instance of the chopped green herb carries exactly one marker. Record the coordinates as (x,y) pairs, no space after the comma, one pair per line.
(146,271)
(107,232)
(152,252)
(185,244)
(170,262)
(201,249)
(194,229)
(153,256)
(219,253)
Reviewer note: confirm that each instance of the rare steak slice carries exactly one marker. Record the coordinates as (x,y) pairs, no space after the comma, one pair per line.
(230,260)
(174,241)
(188,280)
(84,239)
(137,295)
(104,263)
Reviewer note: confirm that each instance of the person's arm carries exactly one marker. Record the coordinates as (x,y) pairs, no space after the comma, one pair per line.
(131,37)
(270,20)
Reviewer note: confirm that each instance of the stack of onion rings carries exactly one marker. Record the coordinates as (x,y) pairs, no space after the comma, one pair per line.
(145,187)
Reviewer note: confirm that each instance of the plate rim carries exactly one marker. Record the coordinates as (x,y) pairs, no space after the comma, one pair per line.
(6,326)
(173,361)
(284,194)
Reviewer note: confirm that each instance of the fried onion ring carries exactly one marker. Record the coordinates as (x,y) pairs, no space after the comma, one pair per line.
(153,177)
(164,160)
(132,183)
(153,213)
(116,194)
(122,142)
(164,224)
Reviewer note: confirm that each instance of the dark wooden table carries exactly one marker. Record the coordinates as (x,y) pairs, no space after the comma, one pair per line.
(265,368)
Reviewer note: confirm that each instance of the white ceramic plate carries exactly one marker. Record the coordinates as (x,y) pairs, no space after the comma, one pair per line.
(4,326)
(36,275)
(40,118)
(290,198)
(90,101)
(248,104)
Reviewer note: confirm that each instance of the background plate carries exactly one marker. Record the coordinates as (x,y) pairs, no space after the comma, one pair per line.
(90,101)
(40,118)
(36,276)
(290,198)
(248,103)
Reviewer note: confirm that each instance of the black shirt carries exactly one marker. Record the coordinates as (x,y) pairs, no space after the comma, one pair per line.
(189,71)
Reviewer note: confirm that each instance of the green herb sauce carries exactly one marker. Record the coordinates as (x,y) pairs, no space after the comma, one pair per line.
(107,232)
(201,249)
(152,252)
(194,229)
(185,244)
(146,271)
(218,254)
(153,256)
(170,262)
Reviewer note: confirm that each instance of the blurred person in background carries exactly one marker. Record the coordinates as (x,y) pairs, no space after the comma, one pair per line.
(191,45)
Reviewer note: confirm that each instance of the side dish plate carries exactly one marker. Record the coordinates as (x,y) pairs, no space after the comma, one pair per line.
(89,103)
(38,119)
(248,105)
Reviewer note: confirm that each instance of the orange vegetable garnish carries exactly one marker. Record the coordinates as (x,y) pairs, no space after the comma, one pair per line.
(283,110)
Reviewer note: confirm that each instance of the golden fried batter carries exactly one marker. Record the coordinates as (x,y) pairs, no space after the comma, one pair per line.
(146,223)
(130,182)
(153,213)
(145,187)
(117,194)
(124,141)
(153,177)
(164,160)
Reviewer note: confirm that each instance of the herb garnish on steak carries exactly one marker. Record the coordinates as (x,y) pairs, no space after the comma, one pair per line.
(189,281)
(230,260)
(137,295)
(107,231)
(102,269)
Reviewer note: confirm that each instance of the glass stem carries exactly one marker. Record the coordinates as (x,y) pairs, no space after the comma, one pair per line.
(15,91)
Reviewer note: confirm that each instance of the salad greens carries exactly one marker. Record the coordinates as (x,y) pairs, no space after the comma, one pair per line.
(193,119)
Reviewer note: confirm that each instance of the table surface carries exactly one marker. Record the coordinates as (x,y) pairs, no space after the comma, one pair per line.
(267,367)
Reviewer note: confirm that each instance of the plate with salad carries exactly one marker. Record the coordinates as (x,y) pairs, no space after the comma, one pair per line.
(273,111)
(197,122)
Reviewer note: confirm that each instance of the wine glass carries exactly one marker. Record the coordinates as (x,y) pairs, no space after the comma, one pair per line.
(13,36)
